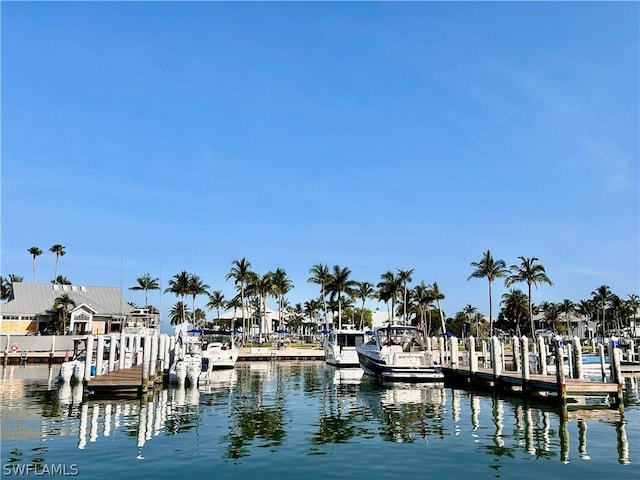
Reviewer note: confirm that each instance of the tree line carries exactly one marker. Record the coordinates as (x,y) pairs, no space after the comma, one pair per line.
(343,299)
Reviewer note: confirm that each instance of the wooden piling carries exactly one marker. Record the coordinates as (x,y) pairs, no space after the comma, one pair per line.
(515,347)
(578,358)
(99,354)
(113,340)
(88,358)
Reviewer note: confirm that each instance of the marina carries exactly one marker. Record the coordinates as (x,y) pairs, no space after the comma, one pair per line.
(287,419)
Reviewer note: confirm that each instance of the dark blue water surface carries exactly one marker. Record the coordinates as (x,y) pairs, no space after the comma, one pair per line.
(307,420)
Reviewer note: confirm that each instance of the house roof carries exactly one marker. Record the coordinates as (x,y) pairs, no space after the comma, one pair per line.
(38,298)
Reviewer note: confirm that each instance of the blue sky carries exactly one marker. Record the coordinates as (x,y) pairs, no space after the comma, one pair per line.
(156,137)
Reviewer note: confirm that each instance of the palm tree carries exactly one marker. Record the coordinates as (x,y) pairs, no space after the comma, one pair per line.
(35,252)
(240,273)
(216,300)
(281,286)
(423,297)
(195,286)
(490,269)
(340,283)
(179,313)
(146,282)
(199,318)
(405,277)
(260,287)
(515,309)
(602,296)
(62,305)
(469,312)
(7,285)
(59,251)
(61,280)
(320,275)
(438,295)
(388,291)
(363,291)
(179,285)
(532,272)
(567,307)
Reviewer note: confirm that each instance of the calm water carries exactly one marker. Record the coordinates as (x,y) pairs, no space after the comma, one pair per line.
(308,421)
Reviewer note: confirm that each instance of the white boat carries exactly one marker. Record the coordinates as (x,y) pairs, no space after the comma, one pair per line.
(340,347)
(397,353)
(72,368)
(219,351)
(187,361)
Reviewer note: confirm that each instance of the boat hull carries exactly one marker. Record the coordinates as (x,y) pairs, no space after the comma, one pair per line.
(378,368)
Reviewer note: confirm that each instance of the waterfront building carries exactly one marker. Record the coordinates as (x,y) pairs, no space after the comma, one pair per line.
(97,310)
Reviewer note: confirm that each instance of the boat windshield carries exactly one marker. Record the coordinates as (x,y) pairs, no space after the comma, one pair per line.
(408,338)
(349,339)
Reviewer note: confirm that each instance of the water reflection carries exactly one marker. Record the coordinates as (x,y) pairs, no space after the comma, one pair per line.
(272,405)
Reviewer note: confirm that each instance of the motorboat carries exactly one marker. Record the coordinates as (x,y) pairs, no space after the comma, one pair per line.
(340,347)
(398,353)
(72,368)
(219,351)
(187,361)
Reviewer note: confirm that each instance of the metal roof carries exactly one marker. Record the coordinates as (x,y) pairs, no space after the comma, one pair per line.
(38,298)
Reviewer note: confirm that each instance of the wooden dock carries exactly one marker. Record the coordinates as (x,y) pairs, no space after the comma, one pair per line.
(124,382)
(569,392)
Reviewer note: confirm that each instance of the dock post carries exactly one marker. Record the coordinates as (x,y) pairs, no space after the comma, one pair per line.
(543,352)
(603,370)
(524,360)
(578,367)
(614,360)
(560,381)
(453,343)
(146,354)
(484,353)
(496,364)
(162,340)
(122,351)
(570,360)
(515,351)
(112,353)
(153,360)
(473,358)
(99,354)
(441,348)
(89,358)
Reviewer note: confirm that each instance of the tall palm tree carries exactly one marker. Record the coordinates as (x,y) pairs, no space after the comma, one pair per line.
(240,272)
(340,283)
(63,304)
(532,273)
(388,291)
(438,295)
(195,287)
(35,252)
(405,277)
(59,252)
(217,301)
(490,269)
(146,282)
(363,291)
(281,286)
(320,275)
(179,286)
